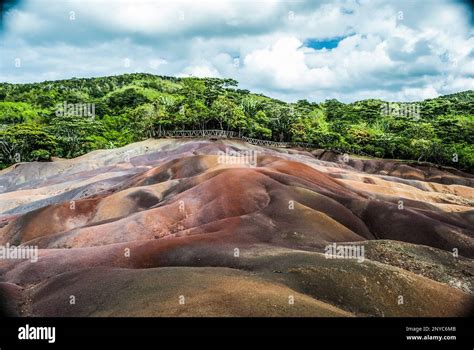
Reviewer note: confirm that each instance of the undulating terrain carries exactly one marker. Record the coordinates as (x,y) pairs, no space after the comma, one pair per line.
(165,227)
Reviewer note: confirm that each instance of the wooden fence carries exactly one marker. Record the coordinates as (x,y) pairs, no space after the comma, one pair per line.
(224,134)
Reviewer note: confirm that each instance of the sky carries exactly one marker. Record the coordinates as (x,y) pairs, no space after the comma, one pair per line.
(296,49)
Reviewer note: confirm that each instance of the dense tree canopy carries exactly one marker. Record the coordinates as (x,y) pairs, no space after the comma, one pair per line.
(132,107)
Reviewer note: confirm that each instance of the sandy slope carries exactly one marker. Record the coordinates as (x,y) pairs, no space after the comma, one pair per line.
(130,231)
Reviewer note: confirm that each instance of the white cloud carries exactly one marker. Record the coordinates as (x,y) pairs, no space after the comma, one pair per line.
(156,63)
(285,66)
(200,71)
(25,22)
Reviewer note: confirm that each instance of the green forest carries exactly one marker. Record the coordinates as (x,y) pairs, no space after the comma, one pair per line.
(133,107)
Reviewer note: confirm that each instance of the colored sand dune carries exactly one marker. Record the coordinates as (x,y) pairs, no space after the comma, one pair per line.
(171,228)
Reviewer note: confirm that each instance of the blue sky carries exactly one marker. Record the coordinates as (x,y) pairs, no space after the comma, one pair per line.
(327,43)
(345,49)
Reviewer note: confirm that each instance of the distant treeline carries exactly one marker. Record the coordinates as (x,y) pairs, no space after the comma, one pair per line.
(68,118)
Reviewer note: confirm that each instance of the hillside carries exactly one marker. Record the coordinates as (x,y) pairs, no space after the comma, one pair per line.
(133,107)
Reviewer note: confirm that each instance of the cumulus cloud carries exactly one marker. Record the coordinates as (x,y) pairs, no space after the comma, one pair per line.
(284,65)
(343,49)
(201,71)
